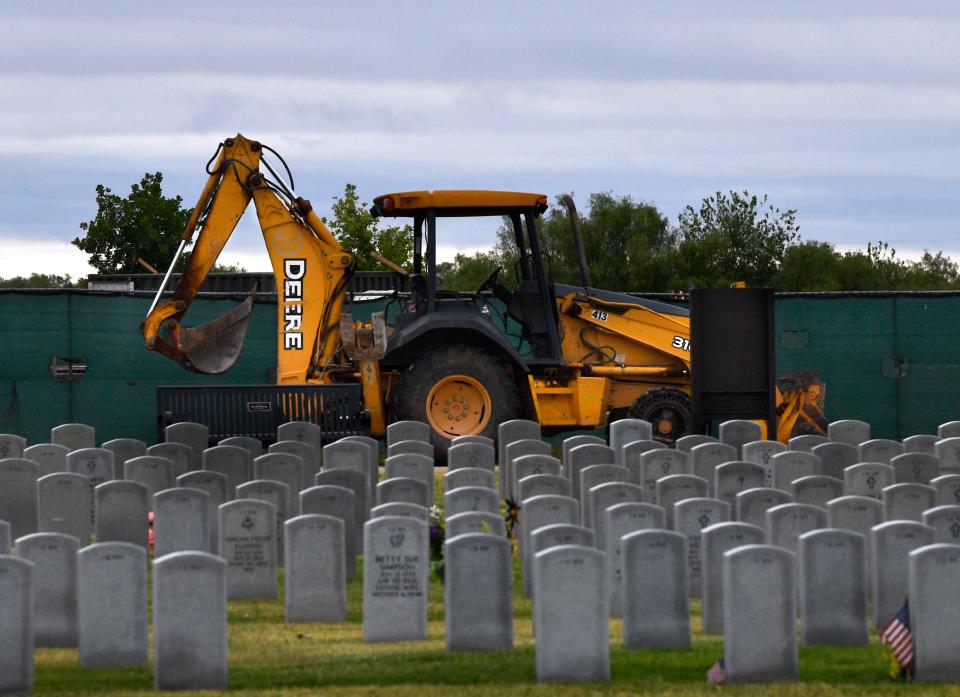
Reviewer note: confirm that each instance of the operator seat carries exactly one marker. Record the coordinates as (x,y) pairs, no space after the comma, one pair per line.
(527,308)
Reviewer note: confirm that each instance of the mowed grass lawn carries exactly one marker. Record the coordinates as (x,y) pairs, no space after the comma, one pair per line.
(268,656)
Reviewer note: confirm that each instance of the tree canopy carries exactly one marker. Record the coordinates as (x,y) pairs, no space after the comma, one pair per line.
(630,246)
(734,236)
(359,232)
(145,224)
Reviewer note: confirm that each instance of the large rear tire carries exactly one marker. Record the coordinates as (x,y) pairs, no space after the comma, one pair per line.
(459,391)
(668,410)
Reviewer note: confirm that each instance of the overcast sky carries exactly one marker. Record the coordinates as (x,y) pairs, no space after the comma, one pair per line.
(848,112)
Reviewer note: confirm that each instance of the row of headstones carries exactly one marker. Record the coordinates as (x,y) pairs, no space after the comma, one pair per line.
(759,605)
(105,612)
(651,591)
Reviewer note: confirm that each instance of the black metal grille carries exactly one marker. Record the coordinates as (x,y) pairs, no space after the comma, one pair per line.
(257,410)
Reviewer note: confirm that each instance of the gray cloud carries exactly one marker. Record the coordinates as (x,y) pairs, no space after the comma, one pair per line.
(845,111)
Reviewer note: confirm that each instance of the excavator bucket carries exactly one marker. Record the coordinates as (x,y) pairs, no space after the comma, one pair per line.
(214,347)
(801,405)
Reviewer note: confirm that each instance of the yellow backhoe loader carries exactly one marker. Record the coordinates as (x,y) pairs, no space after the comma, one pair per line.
(566,356)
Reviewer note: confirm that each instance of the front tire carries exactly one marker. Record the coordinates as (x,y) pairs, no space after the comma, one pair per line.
(668,410)
(458,391)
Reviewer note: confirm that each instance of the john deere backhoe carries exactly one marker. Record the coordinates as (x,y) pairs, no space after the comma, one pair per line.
(566,356)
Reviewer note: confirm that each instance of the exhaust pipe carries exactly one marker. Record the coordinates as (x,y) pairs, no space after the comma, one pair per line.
(567,201)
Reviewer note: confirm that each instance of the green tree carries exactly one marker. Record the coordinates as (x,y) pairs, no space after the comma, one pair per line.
(40,280)
(359,232)
(810,266)
(733,237)
(627,243)
(145,224)
(467,271)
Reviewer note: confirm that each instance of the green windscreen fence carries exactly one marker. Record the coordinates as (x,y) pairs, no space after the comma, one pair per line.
(890,360)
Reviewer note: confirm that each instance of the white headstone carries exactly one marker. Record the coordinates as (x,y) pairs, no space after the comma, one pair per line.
(879,450)
(124,449)
(230,460)
(687,443)
(248,541)
(123,512)
(50,458)
(947,487)
(622,519)
(762,452)
(18,498)
(934,576)
(690,518)
(759,638)
(657,464)
(705,458)
(315,581)
(867,479)
(475,455)
(849,431)
(511,452)
(154,472)
(583,456)
(96,464)
(54,558)
(656,609)
(63,505)
(891,544)
(945,521)
(739,432)
(74,436)
(284,468)
(947,452)
(631,454)
(833,588)
(407,430)
(113,605)
(677,487)
(908,501)
(396,554)
(12,445)
(731,478)
(463,523)
(404,489)
(338,502)
(920,443)
(915,468)
(538,512)
(277,494)
(806,442)
(309,458)
(181,521)
(16,618)
(215,484)
(835,458)
(193,435)
(570,615)
(179,454)
(478,593)
(715,541)
(792,465)
(752,505)
(817,490)
(190,621)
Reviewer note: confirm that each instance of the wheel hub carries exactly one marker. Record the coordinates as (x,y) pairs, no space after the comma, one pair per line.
(458,405)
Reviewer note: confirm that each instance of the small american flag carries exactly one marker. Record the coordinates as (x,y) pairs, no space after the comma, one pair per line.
(899,638)
(717,672)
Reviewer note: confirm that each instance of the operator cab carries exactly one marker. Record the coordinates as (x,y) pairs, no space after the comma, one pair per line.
(532,305)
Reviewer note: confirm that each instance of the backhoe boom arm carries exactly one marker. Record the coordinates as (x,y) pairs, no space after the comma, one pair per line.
(310,267)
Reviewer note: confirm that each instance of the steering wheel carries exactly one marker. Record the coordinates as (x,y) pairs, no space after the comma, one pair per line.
(491,280)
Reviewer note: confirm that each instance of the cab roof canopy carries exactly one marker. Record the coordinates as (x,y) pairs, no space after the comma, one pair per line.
(452,203)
